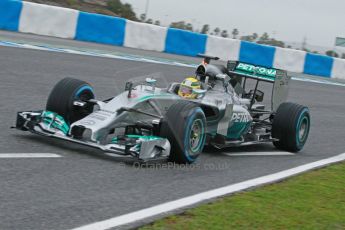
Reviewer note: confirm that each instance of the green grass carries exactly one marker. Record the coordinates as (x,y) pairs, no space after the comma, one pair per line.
(315,200)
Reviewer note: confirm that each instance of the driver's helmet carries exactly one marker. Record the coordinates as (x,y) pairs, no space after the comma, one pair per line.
(187,86)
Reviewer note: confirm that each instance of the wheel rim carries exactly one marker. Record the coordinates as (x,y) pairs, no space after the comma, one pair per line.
(196,135)
(303,130)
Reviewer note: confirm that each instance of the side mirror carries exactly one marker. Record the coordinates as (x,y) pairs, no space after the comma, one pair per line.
(150,81)
(129,86)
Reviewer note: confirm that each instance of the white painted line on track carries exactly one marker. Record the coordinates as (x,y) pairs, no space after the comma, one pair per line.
(319,81)
(197,198)
(29,155)
(259,154)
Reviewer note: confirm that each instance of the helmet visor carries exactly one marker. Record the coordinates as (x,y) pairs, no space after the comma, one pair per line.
(186,90)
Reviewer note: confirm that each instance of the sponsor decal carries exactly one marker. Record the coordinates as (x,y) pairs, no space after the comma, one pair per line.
(241,117)
(256,70)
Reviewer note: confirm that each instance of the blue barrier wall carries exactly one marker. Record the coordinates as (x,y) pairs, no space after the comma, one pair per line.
(185,42)
(10,14)
(318,65)
(100,28)
(257,54)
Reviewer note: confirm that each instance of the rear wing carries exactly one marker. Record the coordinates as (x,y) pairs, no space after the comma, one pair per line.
(279,78)
(251,71)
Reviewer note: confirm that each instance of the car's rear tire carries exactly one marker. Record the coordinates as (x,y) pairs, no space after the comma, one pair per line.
(64,93)
(184,126)
(291,125)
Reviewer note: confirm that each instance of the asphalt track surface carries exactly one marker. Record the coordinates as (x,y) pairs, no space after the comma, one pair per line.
(83,186)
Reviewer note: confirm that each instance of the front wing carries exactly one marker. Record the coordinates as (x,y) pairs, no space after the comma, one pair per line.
(135,147)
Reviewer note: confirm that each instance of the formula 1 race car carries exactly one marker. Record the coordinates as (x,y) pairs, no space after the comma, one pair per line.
(147,123)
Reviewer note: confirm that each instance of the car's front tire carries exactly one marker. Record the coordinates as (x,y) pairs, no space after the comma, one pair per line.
(291,125)
(184,126)
(64,93)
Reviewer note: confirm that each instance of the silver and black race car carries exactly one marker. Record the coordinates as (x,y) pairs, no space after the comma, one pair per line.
(147,123)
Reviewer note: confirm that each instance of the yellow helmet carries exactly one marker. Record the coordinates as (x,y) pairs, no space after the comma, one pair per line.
(187,86)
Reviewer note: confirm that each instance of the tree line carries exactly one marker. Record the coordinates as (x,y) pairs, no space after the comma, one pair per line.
(125,10)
